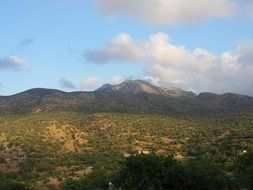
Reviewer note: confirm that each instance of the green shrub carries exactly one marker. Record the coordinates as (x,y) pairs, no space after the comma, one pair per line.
(94,181)
(6,184)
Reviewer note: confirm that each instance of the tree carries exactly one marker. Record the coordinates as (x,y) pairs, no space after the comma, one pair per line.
(6,184)
(244,171)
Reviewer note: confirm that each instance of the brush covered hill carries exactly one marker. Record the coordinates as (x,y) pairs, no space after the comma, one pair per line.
(128,97)
(47,149)
(49,137)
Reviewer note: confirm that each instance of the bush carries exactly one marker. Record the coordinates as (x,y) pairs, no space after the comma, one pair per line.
(141,172)
(6,184)
(94,181)
(154,172)
(2,160)
(203,174)
(244,171)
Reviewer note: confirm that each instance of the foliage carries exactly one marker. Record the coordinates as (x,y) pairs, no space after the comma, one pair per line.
(244,171)
(6,184)
(156,172)
(46,149)
(146,170)
(94,181)
(204,174)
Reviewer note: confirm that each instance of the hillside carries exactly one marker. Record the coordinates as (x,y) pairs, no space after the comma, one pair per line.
(127,97)
(49,137)
(45,150)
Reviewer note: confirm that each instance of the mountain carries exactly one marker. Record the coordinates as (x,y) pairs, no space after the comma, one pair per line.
(132,96)
(226,101)
(48,138)
(139,86)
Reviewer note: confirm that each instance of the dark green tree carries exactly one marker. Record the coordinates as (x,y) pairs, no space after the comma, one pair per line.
(244,171)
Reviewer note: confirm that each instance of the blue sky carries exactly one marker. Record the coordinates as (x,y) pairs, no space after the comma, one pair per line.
(57,44)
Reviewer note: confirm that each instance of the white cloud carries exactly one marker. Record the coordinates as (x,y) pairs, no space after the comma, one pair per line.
(117,80)
(91,83)
(168,12)
(11,63)
(167,64)
(66,83)
(120,48)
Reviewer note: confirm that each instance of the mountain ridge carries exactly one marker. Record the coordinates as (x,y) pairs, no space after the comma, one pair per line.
(130,96)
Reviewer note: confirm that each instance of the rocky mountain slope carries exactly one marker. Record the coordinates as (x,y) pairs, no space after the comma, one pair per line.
(139,86)
(130,97)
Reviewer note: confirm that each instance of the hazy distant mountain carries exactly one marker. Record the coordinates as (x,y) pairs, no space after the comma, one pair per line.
(130,96)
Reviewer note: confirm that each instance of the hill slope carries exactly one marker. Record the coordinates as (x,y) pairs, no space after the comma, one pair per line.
(47,149)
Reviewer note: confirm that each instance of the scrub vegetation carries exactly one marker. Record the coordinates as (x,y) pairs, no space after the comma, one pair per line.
(59,150)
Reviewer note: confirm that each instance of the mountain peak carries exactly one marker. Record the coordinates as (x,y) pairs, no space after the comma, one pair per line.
(140,86)
(130,87)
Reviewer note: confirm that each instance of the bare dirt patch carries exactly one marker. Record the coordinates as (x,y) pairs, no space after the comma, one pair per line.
(166,140)
(70,138)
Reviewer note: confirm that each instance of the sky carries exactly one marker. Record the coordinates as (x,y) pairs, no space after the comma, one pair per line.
(79,45)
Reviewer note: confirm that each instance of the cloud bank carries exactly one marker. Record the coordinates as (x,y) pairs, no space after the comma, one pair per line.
(11,63)
(122,47)
(117,80)
(168,12)
(168,64)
